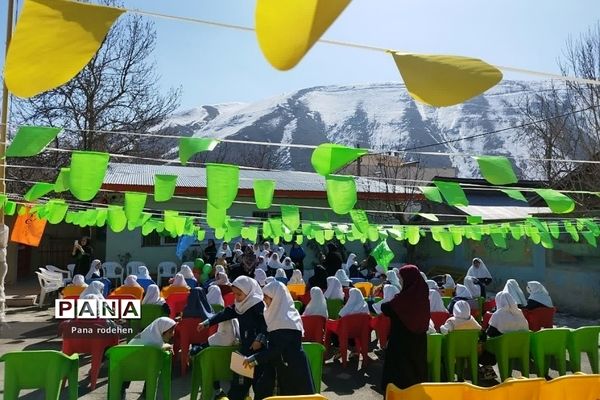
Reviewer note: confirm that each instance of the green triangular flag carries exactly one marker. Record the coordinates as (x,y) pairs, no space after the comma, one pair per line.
(497,170)
(290,216)
(263,193)
(446,241)
(328,157)
(61,184)
(328,234)
(452,192)
(215,217)
(431,193)
(234,227)
(319,236)
(101,217)
(514,194)
(276,226)
(589,237)
(250,233)
(558,202)
(164,187)
(38,190)
(299,239)
(200,235)
(498,239)
(134,205)
(31,140)
(341,193)
(554,229)
(86,173)
(517,231)
(373,233)
(360,221)
(57,209)
(572,230)
(222,181)
(188,146)
(413,234)
(382,254)
(116,218)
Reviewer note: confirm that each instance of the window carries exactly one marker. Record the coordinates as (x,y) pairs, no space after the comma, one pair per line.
(156,239)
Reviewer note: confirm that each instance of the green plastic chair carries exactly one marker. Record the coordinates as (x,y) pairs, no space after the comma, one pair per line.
(446,300)
(511,345)
(217,307)
(298,305)
(139,363)
(314,353)
(333,308)
(434,356)
(548,343)
(461,346)
(150,312)
(583,339)
(209,366)
(40,369)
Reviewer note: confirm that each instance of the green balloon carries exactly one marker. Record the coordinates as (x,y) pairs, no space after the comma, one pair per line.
(198,263)
(206,269)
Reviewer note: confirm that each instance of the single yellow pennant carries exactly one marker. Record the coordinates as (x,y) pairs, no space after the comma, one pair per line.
(287,29)
(53,41)
(440,80)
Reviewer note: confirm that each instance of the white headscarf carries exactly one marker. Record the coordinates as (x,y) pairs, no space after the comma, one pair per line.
(461,318)
(187,273)
(461,310)
(78,280)
(342,277)
(262,264)
(463,291)
(251,289)
(280,273)
(317,304)
(227,333)
(389,291)
(280,252)
(220,268)
(281,313)
(256,249)
(221,278)
(538,292)
(226,252)
(512,287)
(269,280)
(297,278)
(131,281)
(179,281)
(92,296)
(143,273)
(334,289)
(287,264)
(356,304)
(95,287)
(94,266)
(449,284)
(423,276)
(349,262)
(152,334)
(274,262)
(473,288)
(432,284)
(152,296)
(214,296)
(479,272)
(508,317)
(436,304)
(261,276)
(393,279)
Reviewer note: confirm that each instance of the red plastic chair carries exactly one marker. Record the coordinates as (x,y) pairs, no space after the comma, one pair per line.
(176,302)
(382,326)
(489,305)
(314,328)
(439,318)
(486,320)
(305,298)
(346,294)
(186,334)
(539,318)
(94,345)
(355,326)
(228,299)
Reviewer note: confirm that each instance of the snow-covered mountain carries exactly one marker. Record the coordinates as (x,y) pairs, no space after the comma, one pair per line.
(379,116)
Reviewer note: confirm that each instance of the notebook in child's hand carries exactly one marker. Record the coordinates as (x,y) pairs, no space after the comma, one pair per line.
(237,365)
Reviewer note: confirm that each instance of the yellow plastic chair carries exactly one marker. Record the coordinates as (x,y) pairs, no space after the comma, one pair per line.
(364,287)
(572,387)
(511,389)
(447,292)
(306,397)
(296,289)
(427,391)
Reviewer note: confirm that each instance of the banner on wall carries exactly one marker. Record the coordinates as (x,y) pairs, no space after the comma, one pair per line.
(28,229)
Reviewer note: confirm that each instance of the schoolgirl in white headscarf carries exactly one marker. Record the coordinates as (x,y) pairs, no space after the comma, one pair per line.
(356,304)
(478,270)
(297,278)
(508,317)
(261,276)
(423,276)
(463,292)
(266,250)
(256,249)
(143,273)
(187,273)
(512,287)
(251,289)
(274,262)
(78,280)
(221,278)
(214,296)
(131,281)
(340,274)
(389,291)
(156,334)
(94,271)
(436,304)
(224,251)
(281,312)
(262,264)
(220,268)
(349,262)
(269,280)
(432,284)
(472,286)
(95,287)
(317,304)
(392,278)
(334,289)
(538,293)
(287,264)
(152,296)
(461,319)
(179,281)
(449,283)
(280,252)
(280,273)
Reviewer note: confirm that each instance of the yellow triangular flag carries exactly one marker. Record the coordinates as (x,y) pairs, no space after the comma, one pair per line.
(440,80)
(287,29)
(53,41)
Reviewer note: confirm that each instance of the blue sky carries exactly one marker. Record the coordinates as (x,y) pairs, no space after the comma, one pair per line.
(215,65)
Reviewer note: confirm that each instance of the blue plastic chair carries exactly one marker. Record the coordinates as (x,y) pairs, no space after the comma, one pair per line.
(192,283)
(107,285)
(144,283)
(357,280)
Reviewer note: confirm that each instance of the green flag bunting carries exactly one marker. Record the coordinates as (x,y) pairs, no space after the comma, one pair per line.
(514,194)
(497,170)
(452,192)
(329,158)
(291,217)
(38,190)
(87,173)
(382,254)
(263,193)
(31,140)
(61,184)
(188,146)
(164,187)
(222,181)
(341,193)
(558,202)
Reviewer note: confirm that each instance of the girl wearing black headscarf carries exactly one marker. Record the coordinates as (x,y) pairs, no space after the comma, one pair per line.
(333,260)
(319,279)
(406,353)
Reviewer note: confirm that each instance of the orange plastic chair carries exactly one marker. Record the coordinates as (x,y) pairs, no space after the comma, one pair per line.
(169,290)
(314,328)
(177,302)
(186,334)
(364,287)
(439,318)
(538,318)
(72,291)
(296,290)
(73,343)
(355,326)
(136,292)
(125,296)
(382,326)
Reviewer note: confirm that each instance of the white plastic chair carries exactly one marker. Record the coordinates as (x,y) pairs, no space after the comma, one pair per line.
(71,268)
(54,276)
(189,264)
(47,286)
(113,270)
(132,267)
(166,269)
(52,268)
